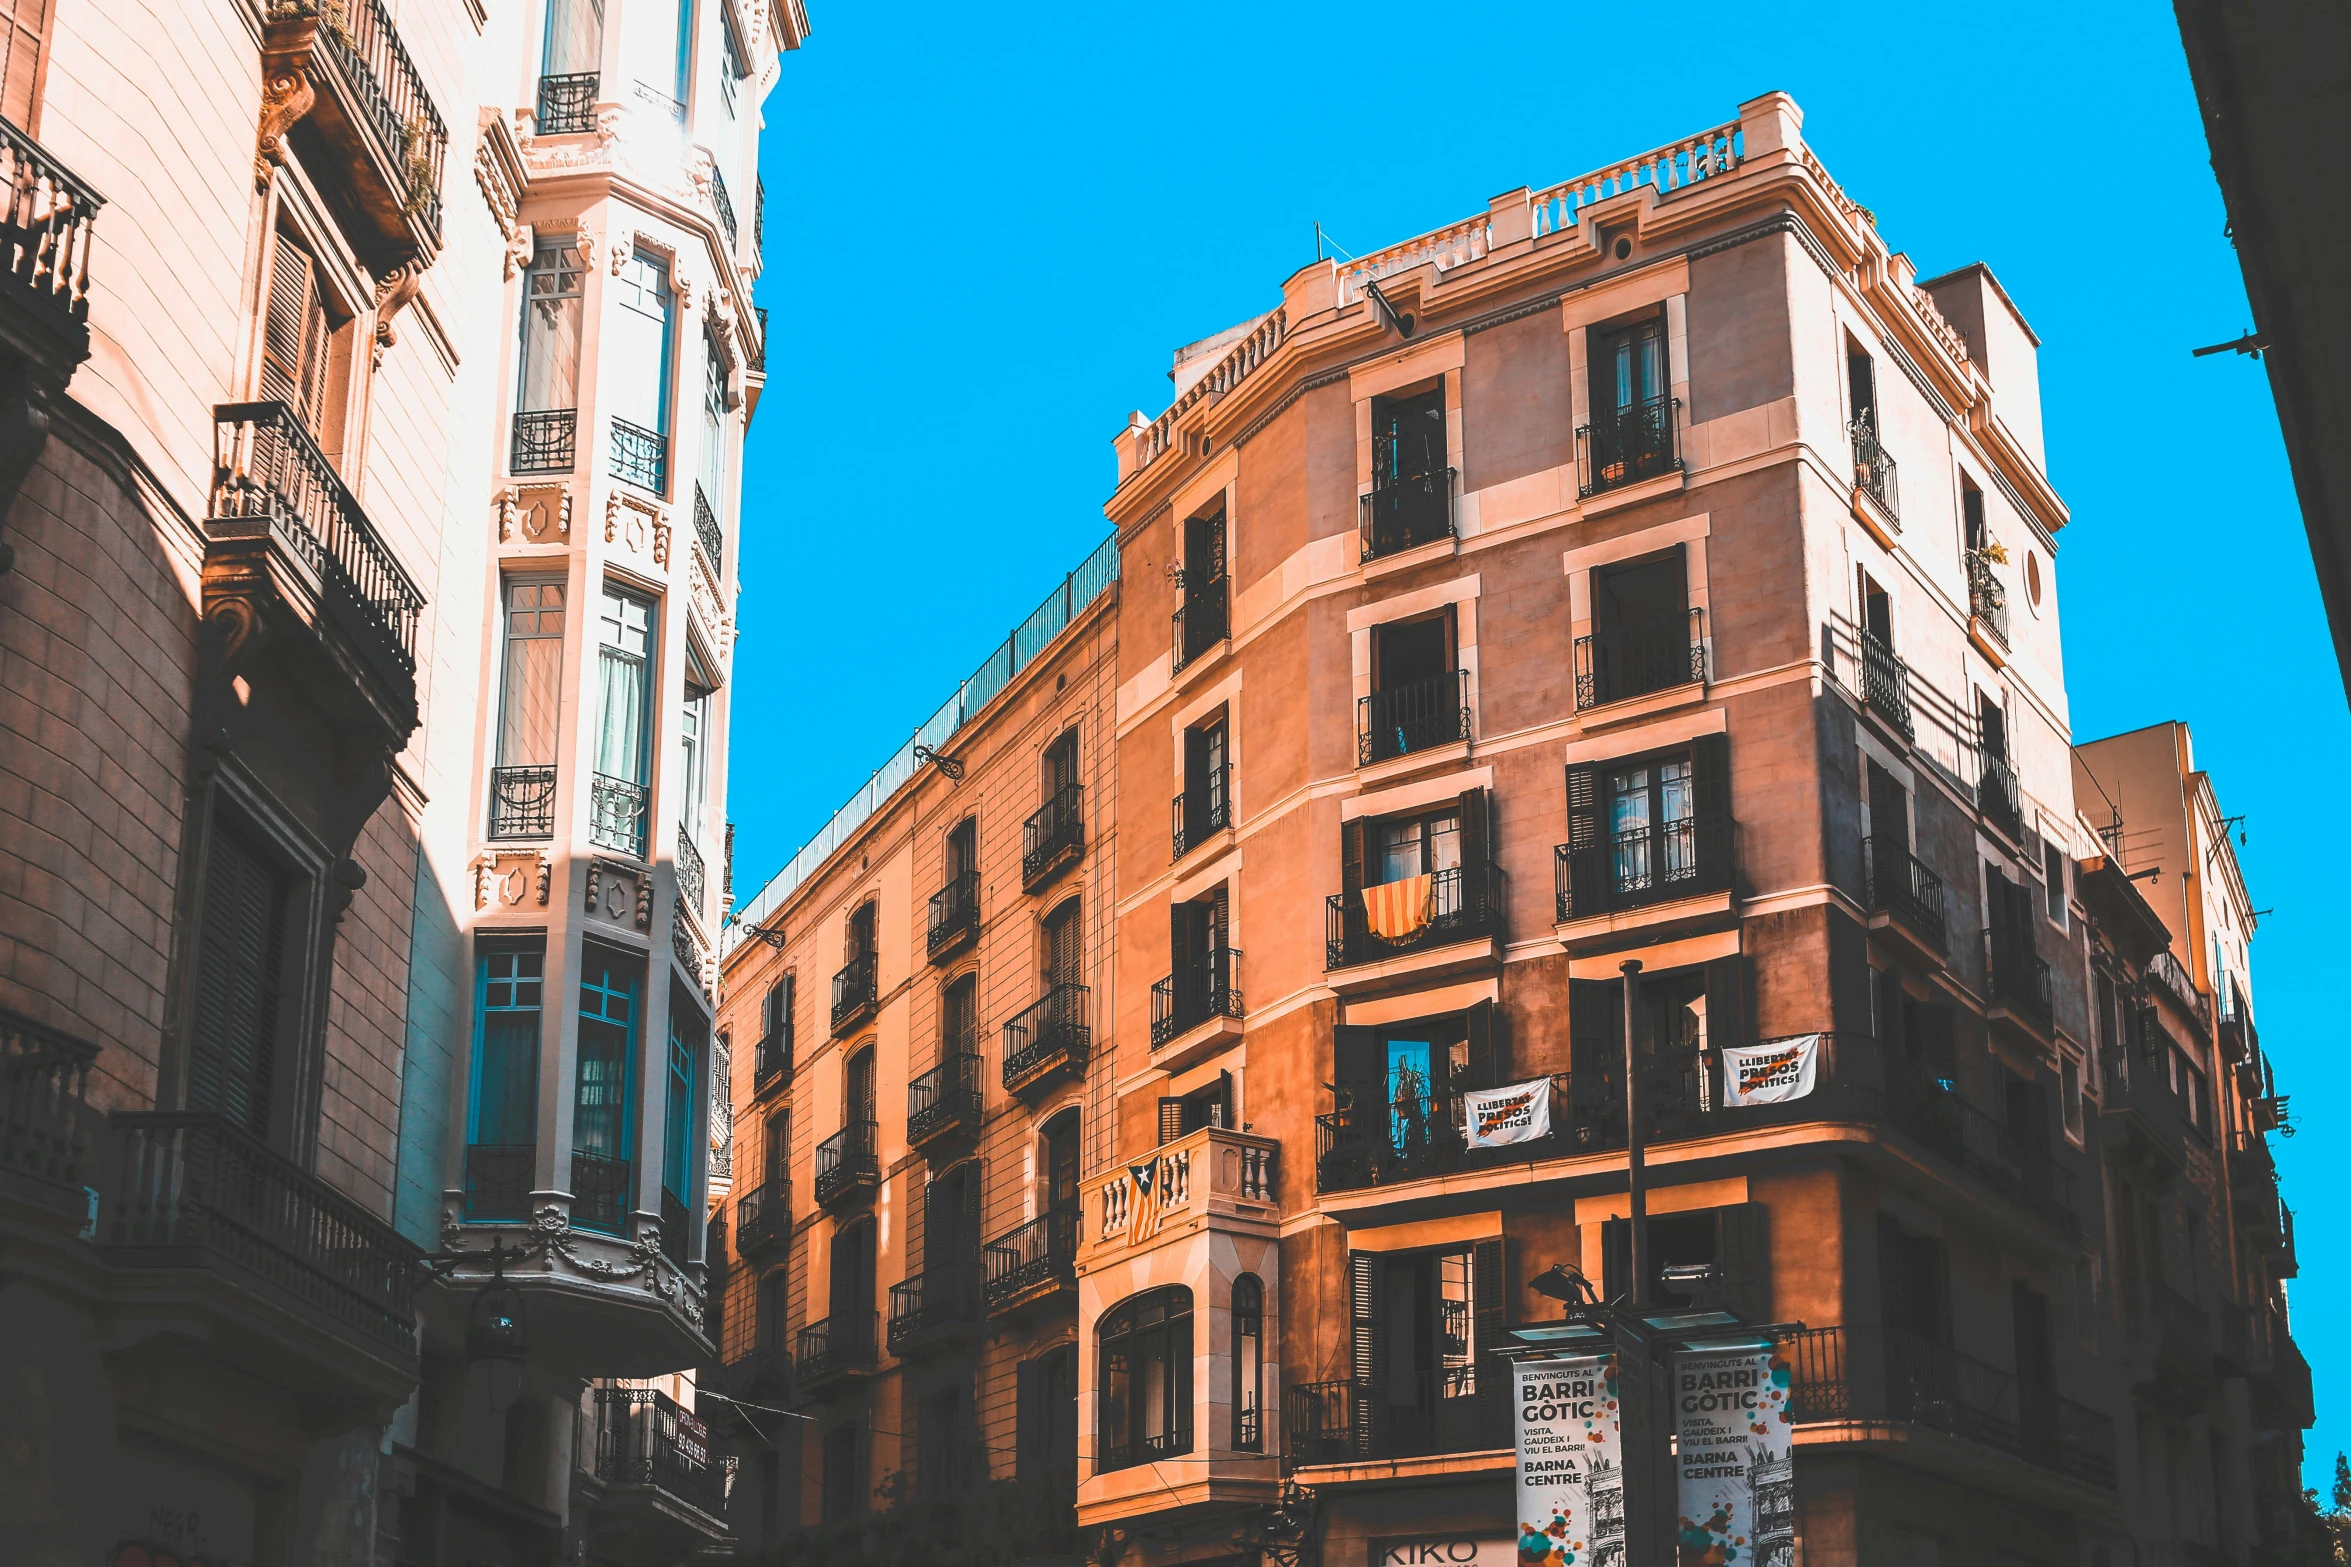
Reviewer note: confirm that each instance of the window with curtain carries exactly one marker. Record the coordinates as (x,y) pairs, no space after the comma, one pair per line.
(1652,811)
(510,980)
(624,685)
(694,758)
(1145,1344)
(530,690)
(639,341)
(553,297)
(574,40)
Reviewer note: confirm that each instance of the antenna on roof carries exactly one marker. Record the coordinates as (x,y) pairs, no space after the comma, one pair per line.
(1322,240)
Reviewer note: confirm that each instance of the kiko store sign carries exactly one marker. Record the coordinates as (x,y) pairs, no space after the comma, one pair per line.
(1445,1550)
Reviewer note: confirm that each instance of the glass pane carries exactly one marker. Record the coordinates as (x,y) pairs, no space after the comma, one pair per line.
(640,340)
(1400,850)
(602,1090)
(1409,1108)
(575,36)
(551,330)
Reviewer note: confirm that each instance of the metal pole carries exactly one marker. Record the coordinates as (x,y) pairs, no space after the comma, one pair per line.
(1635,1175)
(1639,1467)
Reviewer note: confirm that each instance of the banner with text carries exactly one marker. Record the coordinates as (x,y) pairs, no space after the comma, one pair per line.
(1497,1117)
(1770,1074)
(1570,1483)
(1734,1451)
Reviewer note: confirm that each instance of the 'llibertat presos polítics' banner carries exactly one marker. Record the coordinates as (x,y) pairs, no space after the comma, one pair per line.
(1570,1475)
(1734,1459)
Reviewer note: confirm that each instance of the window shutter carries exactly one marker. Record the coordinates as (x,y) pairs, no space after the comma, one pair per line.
(1196,782)
(1355,1062)
(1179,943)
(1729,1019)
(1616,1258)
(1220,922)
(1743,1248)
(1938,1052)
(1471,809)
(232,1055)
(1351,857)
(1710,768)
(1587,852)
(1171,1120)
(1487,1059)
(967,1217)
(293,339)
(1490,1288)
(1363,1324)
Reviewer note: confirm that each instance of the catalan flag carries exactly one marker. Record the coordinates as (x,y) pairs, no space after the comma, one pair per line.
(1397,909)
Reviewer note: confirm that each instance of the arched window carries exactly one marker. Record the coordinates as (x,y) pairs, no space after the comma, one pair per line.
(1248,1364)
(1146,1383)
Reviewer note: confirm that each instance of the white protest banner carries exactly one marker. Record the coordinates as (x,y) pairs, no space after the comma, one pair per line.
(1570,1485)
(1734,1447)
(1497,1117)
(1770,1074)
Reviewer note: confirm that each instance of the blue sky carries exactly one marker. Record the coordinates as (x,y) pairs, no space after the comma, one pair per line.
(986,230)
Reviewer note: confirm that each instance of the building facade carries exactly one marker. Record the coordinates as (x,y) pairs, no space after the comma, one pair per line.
(1637,598)
(376,383)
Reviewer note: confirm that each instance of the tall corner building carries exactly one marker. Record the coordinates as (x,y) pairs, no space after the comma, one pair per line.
(1631,608)
(373,382)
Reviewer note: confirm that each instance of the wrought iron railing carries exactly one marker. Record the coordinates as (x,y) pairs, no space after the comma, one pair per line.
(1049,1036)
(1885,684)
(763,1216)
(498,1181)
(47,1128)
(706,529)
(759,218)
(1634,660)
(725,207)
(643,1437)
(835,1346)
(1897,882)
(1186,999)
(266,468)
(567,104)
(1054,833)
(855,990)
(1460,1408)
(1205,807)
(1150,1448)
(1038,1254)
(757,364)
(677,1228)
(1404,513)
(1629,444)
(1202,621)
(640,456)
(1464,904)
(1987,600)
(1412,717)
(522,802)
(1873,470)
(2016,975)
(693,875)
(771,1059)
(1997,796)
(389,94)
(1637,866)
(191,1184)
(545,441)
(936,1300)
(49,231)
(602,1191)
(617,814)
(944,1099)
(954,912)
(849,1161)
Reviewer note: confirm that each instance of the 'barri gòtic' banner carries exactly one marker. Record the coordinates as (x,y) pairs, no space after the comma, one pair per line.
(1735,1452)
(1570,1479)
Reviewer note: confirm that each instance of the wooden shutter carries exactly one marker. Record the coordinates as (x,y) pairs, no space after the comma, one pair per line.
(1587,851)
(1351,857)
(1171,1120)
(1616,1258)
(1220,916)
(1743,1250)
(294,332)
(1363,1324)
(22,23)
(1710,770)
(1729,1019)
(1490,1290)
(1179,944)
(1488,1061)
(1471,809)
(232,1056)
(1196,782)
(1355,1063)
(1889,812)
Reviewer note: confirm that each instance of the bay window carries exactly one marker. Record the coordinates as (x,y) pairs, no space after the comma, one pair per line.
(639,342)
(603,1132)
(530,693)
(1145,1344)
(624,690)
(501,1130)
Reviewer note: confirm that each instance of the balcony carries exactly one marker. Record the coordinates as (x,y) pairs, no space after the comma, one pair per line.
(2149,1123)
(369,105)
(1464,904)
(1032,1268)
(943,1105)
(1628,446)
(1196,1010)
(954,916)
(936,1308)
(209,1217)
(498,1182)
(2254,1194)
(567,104)
(602,1191)
(1854,1376)
(1054,836)
(1637,659)
(1885,685)
(693,875)
(849,1165)
(1357,1420)
(2016,983)
(48,1130)
(617,814)
(1203,620)
(1204,809)
(284,527)
(706,531)
(1987,604)
(856,992)
(2167,1347)
(640,456)
(1873,477)
(836,1352)
(1418,716)
(660,1479)
(1048,1042)
(724,206)
(1405,513)
(763,1218)
(1904,897)
(49,232)
(522,802)
(771,1062)
(1996,797)
(544,441)
(1643,866)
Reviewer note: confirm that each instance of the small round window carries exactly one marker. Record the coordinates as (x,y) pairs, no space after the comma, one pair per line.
(2032,579)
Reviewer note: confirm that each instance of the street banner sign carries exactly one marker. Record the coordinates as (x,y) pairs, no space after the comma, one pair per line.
(1735,1457)
(1570,1455)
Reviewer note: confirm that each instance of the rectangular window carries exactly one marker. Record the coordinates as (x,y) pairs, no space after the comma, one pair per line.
(694,758)
(506,1061)
(715,455)
(2070,1091)
(732,70)
(2053,867)
(1631,430)
(639,342)
(624,694)
(574,40)
(532,688)
(844,1494)
(603,1128)
(1861,386)
(1652,824)
(681,1117)
(1644,634)
(241,995)
(553,296)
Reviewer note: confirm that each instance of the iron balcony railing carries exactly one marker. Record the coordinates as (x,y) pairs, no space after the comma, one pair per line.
(1873,470)
(706,529)
(1412,717)
(1404,513)
(1040,1255)
(47,1128)
(677,1227)
(693,875)
(1634,660)
(1987,600)
(1897,882)
(1989,1149)
(1189,997)
(522,802)
(771,1060)
(849,1162)
(603,1190)
(644,1437)
(833,1347)
(1458,1408)
(763,1217)
(856,990)
(1637,866)
(954,914)
(1151,1448)
(759,218)
(2016,975)
(935,1302)
(757,363)
(617,810)
(389,97)
(49,231)
(725,208)
(1048,1038)
(194,1189)
(1202,621)
(640,456)
(1628,445)
(944,1099)
(498,1181)
(1997,796)
(567,104)
(762,1374)
(1855,1374)
(1204,808)
(267,469)
(1465,903)
(545,441)
(1885,684)
(1054,834)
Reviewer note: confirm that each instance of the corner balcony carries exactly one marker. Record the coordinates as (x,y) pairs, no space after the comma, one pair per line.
(849,1165)
(1666,653)
(341,65)
(836,1352)
(1421,715)
(1405,513)
(1200,1180)
(2016,984)
(45,242)
(1054,837)
(856,992)
(1049,1042)
(936,1309)
(763,1218)
(48,1131)
(1885,686)
(943,1105)
(1906,901)
(1457,925)
(1031,1271)
(1627,447)
(954,922)
(1197,1010)
(288,547)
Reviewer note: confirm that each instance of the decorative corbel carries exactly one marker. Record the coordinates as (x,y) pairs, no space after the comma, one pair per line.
(644,902)
(520,247)
(660,541)
(546,875)
(623,250)
(585,243)
(394,290)
(286,96)
(483,863)
(593,882)
(509,513)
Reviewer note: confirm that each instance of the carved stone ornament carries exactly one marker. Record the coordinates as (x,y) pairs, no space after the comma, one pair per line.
(511,878)
(534,514)
(519,249)
(585,243)
(286,90)
(624,250)
(552,1240)
(639,526)
(394,290)
(619,893)
(498,169)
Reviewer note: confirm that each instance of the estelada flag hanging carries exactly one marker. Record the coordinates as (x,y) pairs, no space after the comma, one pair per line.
(1397,909)
(1143,1217)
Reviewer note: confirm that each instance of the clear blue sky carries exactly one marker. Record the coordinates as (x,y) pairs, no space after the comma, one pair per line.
(987,228)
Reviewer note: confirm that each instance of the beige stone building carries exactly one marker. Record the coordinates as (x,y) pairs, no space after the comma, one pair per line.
(376,377)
